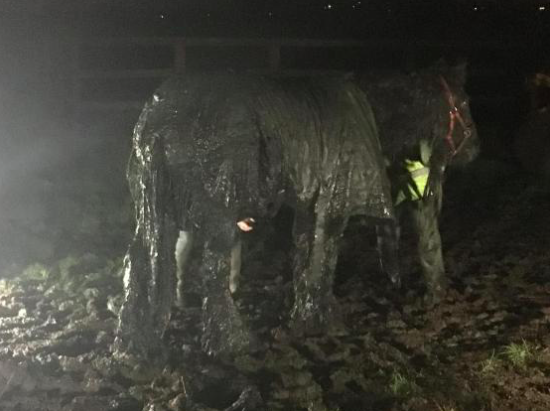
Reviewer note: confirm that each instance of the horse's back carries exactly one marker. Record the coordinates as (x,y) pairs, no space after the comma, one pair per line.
(225,134)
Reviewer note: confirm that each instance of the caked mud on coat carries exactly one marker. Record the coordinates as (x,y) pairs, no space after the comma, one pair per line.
(210,150)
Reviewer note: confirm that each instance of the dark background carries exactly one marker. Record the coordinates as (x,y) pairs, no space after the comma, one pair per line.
(503,19)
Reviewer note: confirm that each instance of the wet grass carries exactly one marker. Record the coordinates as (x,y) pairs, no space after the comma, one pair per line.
(520,355)
(490,364)
(402,384)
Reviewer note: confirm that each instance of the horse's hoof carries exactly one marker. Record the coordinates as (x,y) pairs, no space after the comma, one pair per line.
(132,350)
(229,341)
(326,321)
(136,365)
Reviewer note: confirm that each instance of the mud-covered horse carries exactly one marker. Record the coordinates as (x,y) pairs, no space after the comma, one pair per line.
(211,151)
(425,125)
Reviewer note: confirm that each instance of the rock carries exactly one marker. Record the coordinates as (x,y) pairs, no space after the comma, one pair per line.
(178,402)
(88,404)
(413,338)
(66,305)
(296,379)
(124,403)
(155,406)
(396,324)
(281,394)
(103,338)
(114,303)
(8,312)
(102,403)
(248,363)
(72,364)
(91,293)
(303,378)
(92,385)
(73,346)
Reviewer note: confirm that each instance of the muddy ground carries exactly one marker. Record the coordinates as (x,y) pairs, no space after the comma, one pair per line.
(486,347)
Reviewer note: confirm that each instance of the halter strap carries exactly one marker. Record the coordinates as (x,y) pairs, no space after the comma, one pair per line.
(454,115)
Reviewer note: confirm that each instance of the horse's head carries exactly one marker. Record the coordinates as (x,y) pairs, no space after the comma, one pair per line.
(455,135)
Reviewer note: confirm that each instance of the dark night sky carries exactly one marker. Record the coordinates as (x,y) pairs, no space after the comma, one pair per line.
(283,18)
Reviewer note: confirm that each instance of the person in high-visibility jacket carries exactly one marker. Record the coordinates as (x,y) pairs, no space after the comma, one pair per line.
(416,181)
(418,196)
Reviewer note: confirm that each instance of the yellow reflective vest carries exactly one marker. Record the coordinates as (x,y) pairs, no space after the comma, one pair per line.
(417,180)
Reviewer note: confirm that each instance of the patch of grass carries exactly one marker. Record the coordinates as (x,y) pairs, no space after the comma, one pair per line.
(490,364)
(446,408)
(36,272)
(402,385)
(520,355)
(6,287)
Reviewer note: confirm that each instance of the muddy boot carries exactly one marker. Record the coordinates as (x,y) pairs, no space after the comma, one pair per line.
(434,275)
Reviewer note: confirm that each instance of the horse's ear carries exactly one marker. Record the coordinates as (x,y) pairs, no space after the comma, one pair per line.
(454,70)
(459,72)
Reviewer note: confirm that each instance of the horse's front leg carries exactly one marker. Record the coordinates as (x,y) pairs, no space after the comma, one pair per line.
(388,235)
(224,328)
(184,245)
(150,264)
(317,235)
(236,265)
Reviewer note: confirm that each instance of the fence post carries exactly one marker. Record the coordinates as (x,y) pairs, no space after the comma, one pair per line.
(180,55)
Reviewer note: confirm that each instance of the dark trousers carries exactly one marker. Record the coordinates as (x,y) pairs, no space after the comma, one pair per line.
(424,215)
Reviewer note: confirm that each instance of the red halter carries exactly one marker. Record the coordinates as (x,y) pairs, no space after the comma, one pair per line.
(454,115)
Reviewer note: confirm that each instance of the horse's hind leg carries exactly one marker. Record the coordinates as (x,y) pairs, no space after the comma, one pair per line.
(224,329)
(317,235)
(236,263)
